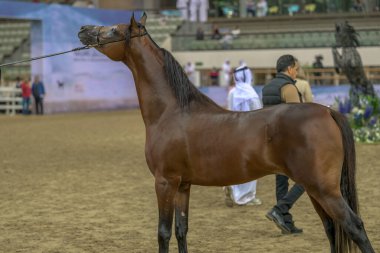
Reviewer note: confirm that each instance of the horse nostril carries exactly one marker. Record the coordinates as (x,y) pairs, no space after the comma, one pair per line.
(84,28)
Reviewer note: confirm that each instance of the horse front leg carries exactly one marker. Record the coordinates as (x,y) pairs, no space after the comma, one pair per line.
(166,190)
(182,216)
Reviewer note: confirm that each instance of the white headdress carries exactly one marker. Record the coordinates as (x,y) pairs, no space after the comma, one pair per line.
(244,97)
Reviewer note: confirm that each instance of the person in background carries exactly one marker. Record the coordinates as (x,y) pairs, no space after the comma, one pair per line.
(190,71)
(215,33)
(261,8)
(226,69)
(226,41)
(201,6)
(303,86)
(26,91)
(279,90)
(214,76)
(38,91)
(243,64)
(242,98)
(317,64)
(250,8)
(182,6)
(18,82)
(235,32)
(200,35)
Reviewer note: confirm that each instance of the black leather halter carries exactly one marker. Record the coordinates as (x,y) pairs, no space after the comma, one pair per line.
(128,36)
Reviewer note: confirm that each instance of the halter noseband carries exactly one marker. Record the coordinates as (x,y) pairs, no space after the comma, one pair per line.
(127,38)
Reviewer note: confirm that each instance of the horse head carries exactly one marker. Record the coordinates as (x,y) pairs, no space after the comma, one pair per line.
(113,41)
(345,35)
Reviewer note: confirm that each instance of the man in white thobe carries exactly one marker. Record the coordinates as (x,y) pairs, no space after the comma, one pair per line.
(190,72)
(226,70)
(201,6)
(182,6)
(242,98)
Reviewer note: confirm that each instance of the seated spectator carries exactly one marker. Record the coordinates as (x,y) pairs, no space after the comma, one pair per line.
(235,32)
(214,76)
(200,34)
(262,8)
(215,33)
(226,41)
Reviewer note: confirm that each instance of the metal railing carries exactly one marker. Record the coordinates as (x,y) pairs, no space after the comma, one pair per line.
(10,100)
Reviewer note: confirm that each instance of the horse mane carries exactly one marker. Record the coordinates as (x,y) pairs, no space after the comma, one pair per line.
(184,91)
(351,36)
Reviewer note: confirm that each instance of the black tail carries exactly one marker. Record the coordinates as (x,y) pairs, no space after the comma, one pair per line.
(347,183)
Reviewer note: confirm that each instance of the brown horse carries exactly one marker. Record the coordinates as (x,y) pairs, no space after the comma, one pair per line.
(191,140)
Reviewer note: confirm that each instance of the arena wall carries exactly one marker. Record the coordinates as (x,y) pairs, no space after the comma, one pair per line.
(81,80)
(267,58)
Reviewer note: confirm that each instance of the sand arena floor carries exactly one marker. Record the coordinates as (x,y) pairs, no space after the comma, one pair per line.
(79,183)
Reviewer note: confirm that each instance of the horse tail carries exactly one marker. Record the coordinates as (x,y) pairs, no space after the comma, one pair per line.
(347,182)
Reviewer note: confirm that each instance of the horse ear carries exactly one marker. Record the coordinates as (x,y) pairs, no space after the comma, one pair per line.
(143,19)
(133,22)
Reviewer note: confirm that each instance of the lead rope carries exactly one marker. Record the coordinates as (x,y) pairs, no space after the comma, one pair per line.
(45,56)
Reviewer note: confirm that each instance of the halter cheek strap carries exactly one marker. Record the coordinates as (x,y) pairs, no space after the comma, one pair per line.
(140,34)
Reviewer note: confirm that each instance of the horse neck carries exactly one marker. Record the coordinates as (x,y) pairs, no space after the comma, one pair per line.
(153,90)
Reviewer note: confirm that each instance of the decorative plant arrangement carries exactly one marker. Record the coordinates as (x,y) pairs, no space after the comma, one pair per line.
(363,117)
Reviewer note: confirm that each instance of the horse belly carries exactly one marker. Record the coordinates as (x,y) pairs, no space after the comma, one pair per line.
(227,164)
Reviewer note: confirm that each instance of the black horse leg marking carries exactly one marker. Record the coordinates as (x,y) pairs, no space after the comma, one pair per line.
(182,216)
(328,223)
(341,213)
(165,191)
(354,227)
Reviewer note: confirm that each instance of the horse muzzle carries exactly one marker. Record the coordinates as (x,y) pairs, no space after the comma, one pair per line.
(88,35)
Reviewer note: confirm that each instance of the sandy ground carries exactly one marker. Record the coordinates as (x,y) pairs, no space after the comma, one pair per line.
(79,183)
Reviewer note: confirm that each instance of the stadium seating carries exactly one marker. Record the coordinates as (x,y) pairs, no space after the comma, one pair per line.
(306,31)
(160,27)
(13,36)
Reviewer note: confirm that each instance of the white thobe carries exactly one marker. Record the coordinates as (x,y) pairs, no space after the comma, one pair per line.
(243,98)
(201,6)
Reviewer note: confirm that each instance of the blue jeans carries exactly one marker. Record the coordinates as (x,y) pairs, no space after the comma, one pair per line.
(25,105)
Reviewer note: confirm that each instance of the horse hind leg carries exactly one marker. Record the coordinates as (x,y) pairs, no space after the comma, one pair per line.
(165,191)
(328,223)
(354,226)
(182,216)
(347,225)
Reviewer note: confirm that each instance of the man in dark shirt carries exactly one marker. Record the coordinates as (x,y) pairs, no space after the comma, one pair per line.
(280,90)
(38,91)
